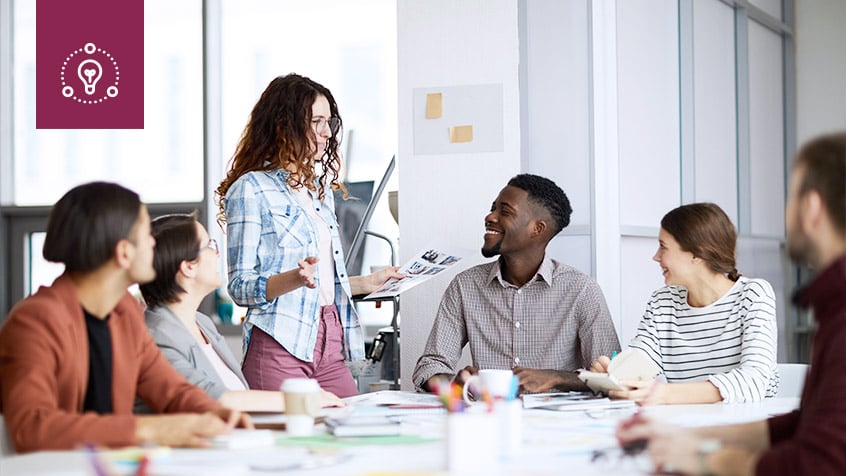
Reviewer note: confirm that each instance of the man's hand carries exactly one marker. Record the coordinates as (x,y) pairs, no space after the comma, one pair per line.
(538,380)
(188,429)
(672,449)
(465,373)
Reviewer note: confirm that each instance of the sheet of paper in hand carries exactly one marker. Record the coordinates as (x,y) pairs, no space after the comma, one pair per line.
(426,264)
(630,364)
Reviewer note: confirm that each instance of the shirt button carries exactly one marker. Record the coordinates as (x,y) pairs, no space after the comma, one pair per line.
(517,324)
(331,227)
(342,275)
(517,360)
(519,291)
(336,251)
(318,208)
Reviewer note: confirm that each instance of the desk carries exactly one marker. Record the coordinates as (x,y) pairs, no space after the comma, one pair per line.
(552,441)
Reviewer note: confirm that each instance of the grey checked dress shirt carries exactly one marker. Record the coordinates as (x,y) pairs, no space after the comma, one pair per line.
(558,320)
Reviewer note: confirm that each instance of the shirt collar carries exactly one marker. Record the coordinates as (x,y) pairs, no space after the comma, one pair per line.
(544,273)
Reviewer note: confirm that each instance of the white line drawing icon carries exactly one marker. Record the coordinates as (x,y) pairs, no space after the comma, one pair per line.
(89,73)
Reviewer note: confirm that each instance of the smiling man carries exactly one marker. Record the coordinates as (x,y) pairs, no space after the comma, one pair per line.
(524,311)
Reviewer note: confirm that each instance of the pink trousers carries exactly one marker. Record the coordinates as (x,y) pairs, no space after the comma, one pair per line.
(267,364)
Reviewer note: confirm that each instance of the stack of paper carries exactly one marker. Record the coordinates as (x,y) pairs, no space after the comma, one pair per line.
(571,401)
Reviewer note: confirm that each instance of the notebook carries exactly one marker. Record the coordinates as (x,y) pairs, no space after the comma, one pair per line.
(630,364)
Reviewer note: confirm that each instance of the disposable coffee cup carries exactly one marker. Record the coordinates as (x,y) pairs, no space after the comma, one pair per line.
(302,403)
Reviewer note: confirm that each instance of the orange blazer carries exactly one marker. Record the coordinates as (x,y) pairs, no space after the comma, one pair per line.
(44,373)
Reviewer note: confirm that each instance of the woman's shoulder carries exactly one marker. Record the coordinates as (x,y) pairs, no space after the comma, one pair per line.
(253,182)
(756,289)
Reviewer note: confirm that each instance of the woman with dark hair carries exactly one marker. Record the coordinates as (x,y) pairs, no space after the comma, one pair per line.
(712,332)
(286,264)
(186,272)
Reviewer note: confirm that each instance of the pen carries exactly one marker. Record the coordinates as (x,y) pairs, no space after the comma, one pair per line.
(613,354)
(96,463)
(143,464)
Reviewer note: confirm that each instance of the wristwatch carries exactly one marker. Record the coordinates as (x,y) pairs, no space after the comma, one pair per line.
(706,448)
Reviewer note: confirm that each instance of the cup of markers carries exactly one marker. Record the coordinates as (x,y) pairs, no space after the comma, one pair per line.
(480,435)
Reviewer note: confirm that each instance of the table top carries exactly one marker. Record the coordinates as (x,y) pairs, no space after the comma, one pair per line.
(548,442)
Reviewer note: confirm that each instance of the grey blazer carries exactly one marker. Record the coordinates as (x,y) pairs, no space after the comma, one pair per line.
(181,349)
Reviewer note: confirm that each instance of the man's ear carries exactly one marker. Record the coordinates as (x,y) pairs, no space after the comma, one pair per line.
(123,253)
(811,211)
(539,227)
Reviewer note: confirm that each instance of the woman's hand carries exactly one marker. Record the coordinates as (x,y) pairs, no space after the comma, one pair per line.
(371,282)
(644,392)
(600,364)
(306,271)
(329,399)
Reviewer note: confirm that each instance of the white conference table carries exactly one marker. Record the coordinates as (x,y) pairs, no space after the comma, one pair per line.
(553,441)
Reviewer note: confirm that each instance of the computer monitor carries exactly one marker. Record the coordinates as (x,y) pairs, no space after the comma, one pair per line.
(358,239)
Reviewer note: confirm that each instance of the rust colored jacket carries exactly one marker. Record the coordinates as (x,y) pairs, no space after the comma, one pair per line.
(44,373)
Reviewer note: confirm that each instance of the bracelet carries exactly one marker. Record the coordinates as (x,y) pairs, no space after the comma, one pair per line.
(706,448)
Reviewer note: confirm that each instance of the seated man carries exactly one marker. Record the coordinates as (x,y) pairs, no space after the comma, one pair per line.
(812,439)
(74,355)
(524,311)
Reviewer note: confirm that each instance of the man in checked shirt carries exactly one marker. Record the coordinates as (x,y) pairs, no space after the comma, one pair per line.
(524,311)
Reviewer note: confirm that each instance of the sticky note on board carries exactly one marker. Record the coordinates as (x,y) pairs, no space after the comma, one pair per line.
(460,134)
(434,103)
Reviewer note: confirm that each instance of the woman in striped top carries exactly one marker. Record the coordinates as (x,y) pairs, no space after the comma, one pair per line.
(712,332)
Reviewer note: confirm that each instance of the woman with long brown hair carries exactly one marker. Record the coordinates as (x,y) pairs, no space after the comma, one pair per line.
(286,264)
(711,331)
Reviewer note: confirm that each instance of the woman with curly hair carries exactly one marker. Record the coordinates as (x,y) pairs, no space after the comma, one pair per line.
(286,264)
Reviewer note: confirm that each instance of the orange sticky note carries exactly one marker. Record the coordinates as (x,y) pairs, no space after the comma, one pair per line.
(461,134)
(434,102)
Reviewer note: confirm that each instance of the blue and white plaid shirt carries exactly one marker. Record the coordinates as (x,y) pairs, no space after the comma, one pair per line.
(267,233)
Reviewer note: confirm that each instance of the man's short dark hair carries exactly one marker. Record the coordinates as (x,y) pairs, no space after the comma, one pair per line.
(824,162)
(86,224)
(547,194)
(176,241)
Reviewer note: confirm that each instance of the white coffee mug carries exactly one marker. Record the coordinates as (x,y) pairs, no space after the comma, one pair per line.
(302,403)
(497,382)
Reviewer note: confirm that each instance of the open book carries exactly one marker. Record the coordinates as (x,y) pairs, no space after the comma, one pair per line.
(630,364)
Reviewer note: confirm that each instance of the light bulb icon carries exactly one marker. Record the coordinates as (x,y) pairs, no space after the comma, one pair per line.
(89,72)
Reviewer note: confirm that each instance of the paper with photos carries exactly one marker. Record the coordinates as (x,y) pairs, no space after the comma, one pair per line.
(426,264)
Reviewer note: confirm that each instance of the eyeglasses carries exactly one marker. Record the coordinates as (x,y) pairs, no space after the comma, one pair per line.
(333,122)
(211,246)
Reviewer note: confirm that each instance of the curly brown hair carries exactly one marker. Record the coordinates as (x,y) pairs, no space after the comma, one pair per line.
(279,135)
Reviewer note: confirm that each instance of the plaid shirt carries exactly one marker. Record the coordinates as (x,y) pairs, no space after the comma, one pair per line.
(268,232)
(558,320)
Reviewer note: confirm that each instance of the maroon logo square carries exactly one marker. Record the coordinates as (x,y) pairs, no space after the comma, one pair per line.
(89,64)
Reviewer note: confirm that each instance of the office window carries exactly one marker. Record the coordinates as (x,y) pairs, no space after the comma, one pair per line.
(163,162)
(766,131)
(771,7)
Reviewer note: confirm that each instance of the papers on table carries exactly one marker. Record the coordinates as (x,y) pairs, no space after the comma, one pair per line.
(572,401)
(393,397)
(426,264)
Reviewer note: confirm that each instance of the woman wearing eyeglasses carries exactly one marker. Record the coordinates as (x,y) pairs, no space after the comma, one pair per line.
(711,331)
(185,261)
(286,264)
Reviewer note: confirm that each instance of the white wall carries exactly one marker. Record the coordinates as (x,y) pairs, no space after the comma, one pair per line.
(820,67)
(445,197)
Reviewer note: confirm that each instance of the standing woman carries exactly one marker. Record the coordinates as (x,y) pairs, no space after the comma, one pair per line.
(712,332)
(277,203)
